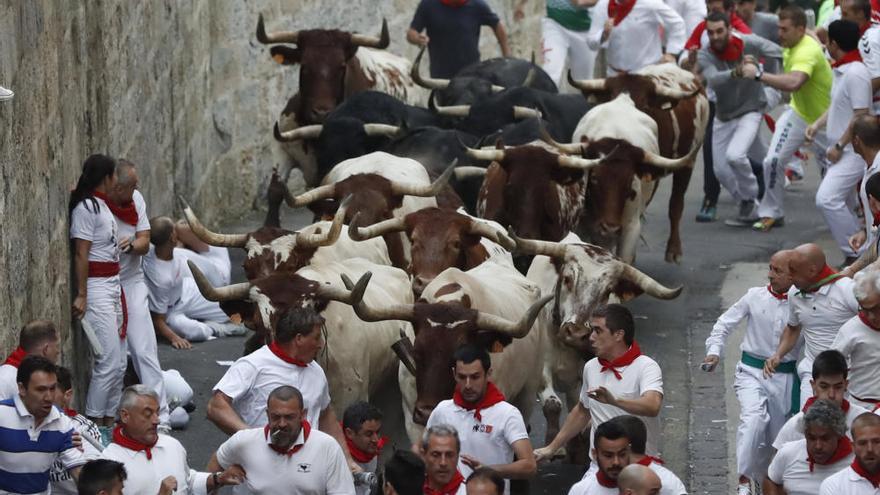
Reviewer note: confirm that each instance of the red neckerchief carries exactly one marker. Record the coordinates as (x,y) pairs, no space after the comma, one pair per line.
(15,358)
(864,318)
(120,439)
(732,52)
(490,398)
(71,413)
(619,9)
(625,360)
(696,38)
(850,56)
(873,478)
(454,3)
(843,405)
(844,448)
(825,277)
(284,356)
(306,429)
(605,480)
(781,296)
(447,489)
(648,459)
(358,454)
(127,213)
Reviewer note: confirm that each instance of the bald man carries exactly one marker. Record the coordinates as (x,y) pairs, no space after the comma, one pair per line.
(636,479)
(820,302)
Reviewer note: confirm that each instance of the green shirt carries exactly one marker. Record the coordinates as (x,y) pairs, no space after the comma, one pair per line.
(814,97)
(568,16)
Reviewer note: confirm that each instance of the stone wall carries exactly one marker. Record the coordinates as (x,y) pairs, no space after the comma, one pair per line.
(180,87)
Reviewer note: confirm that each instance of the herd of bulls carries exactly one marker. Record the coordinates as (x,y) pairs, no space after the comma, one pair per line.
(409,256)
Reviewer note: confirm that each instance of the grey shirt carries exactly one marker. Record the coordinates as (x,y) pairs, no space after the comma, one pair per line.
(766,26)
(736,97)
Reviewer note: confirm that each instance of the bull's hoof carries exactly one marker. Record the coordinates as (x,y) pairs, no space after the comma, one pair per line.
(552,410)
(673,255)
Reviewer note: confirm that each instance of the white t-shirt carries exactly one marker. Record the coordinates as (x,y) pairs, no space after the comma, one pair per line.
(670,484)
(214,263)
(766,316)
(98,227)
(870,230)
(791,470)
(850,91)
(869,49)
(589,485)
(861,346)
(639,377)
(820,314)
(847,482)
(318,468)
(8,381)
(164,281)
(59,478)
(251,379)
(130,263)
(146,475)
(791,430)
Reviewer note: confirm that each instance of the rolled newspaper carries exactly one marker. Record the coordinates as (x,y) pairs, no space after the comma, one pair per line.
(92,337)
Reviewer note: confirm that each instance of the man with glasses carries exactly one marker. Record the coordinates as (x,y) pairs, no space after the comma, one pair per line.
(859,341)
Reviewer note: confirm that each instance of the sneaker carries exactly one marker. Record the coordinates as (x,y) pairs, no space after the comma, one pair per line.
(5,94)
(227,329)
(744,489)
(708,213)
(766,223)
(748,211)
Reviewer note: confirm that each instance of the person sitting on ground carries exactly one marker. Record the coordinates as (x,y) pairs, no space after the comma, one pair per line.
(863,475)
(485,481)
(362,426)
(439,449)
(37,338)
(101,477)
(639,480)
(404,474)
(213,261)
(59,477)
(638,434)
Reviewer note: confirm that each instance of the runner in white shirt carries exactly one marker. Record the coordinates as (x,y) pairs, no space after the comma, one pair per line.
(286,455)
(492,431)
(60,478)
(484,481)
(800,467)
(611,452)
(440,448)
(859,341)
(765,403)
(37,338)
(866,142)
(828,383)
(635,479)
(691,12)
(619,380)
(629,30)
(860,12)
(155,463)
(819,303)
(98,289)
(362,426)
(862,477)
(638,434)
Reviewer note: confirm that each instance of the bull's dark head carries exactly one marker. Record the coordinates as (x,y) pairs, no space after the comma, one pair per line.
(324,57)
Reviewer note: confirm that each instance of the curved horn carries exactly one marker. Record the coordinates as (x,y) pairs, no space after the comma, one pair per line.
(371,41)
(462,173)
(497,89)
(427,83)
(669,163)
(404,312)
(526,112)
(489,155)
(672,93)
(530,77)
(453,110)
(518,330)
(494,235)
(212,238)
(569,148)
(349,295)
(275,37)
(536,247)
(587,84)
(235,292)
(649,285)
(381,130)
(308,197)
(384,227)
(304,132)
(432,189)
(578,162)
(332,235)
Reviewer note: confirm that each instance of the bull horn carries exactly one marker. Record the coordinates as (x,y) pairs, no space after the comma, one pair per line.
(404,312)
(300,133)
(651,287)
(672,93)
(320,240)
(234,292)
(427,83)
(536,247)
(453,110)
(462,173)
(400,189)
(530,76)
(489,155)
(371,41)
(308,197)
(518,330)
(381,130)
(578,162)
(494,235)
(212,238)
(497,89)
(669,163)
(349,295)
(590,85)
(275,37)
(568,148)
(384,227)
(526,113)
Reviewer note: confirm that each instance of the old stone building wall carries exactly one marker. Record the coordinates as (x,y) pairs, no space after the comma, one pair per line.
(180,87)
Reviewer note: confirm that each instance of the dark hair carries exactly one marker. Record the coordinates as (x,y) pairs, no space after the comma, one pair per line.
(865,7)
(485,473)
(469,353)
(94,170)
(30,365)
(65,379)
(405,471)
(727,4)
(356,414)
(845,33)
(617,317)
(36,333)
(99,475)
(636,431)
(830,363)
(296,322)
(718,16)
(795,14)
(872,186)
(867,128)
(609,430)
(161,229)
(285,393)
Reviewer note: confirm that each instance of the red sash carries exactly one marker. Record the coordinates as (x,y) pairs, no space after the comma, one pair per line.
(103,269)
(490,398)
(873,478)
(848,57)
(844,448)
(358,454)
(284,356)
(306,429)
(15,358)
(844,406)
(127,213)
(625,360)
(120,439)
(448,489)
(605,480)
(732,52)
(619,9)
(782,297)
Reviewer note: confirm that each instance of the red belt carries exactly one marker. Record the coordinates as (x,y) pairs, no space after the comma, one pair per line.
(103,269)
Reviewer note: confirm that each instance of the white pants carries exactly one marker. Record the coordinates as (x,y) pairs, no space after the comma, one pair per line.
(558,43)
(789,136)
(733,142)
(764,407)
(141,341)
(104,313)
(836,192)
(187,316)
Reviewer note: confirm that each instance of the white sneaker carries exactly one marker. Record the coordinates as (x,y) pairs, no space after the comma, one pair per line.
(5,94)
(744,489)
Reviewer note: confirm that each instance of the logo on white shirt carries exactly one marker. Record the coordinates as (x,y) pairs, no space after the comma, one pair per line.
(304,467)
(487,429)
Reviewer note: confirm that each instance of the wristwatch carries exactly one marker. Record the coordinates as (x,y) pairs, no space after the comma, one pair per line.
(760,72)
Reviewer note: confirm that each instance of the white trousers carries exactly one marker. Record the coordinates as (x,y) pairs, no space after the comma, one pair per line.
(789,136)
(141,341)
(733,143)
(187,316)
(104,313)
(557,43)
(764,407)
(835,195)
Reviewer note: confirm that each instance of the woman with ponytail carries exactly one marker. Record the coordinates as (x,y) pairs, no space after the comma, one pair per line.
(99,297)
